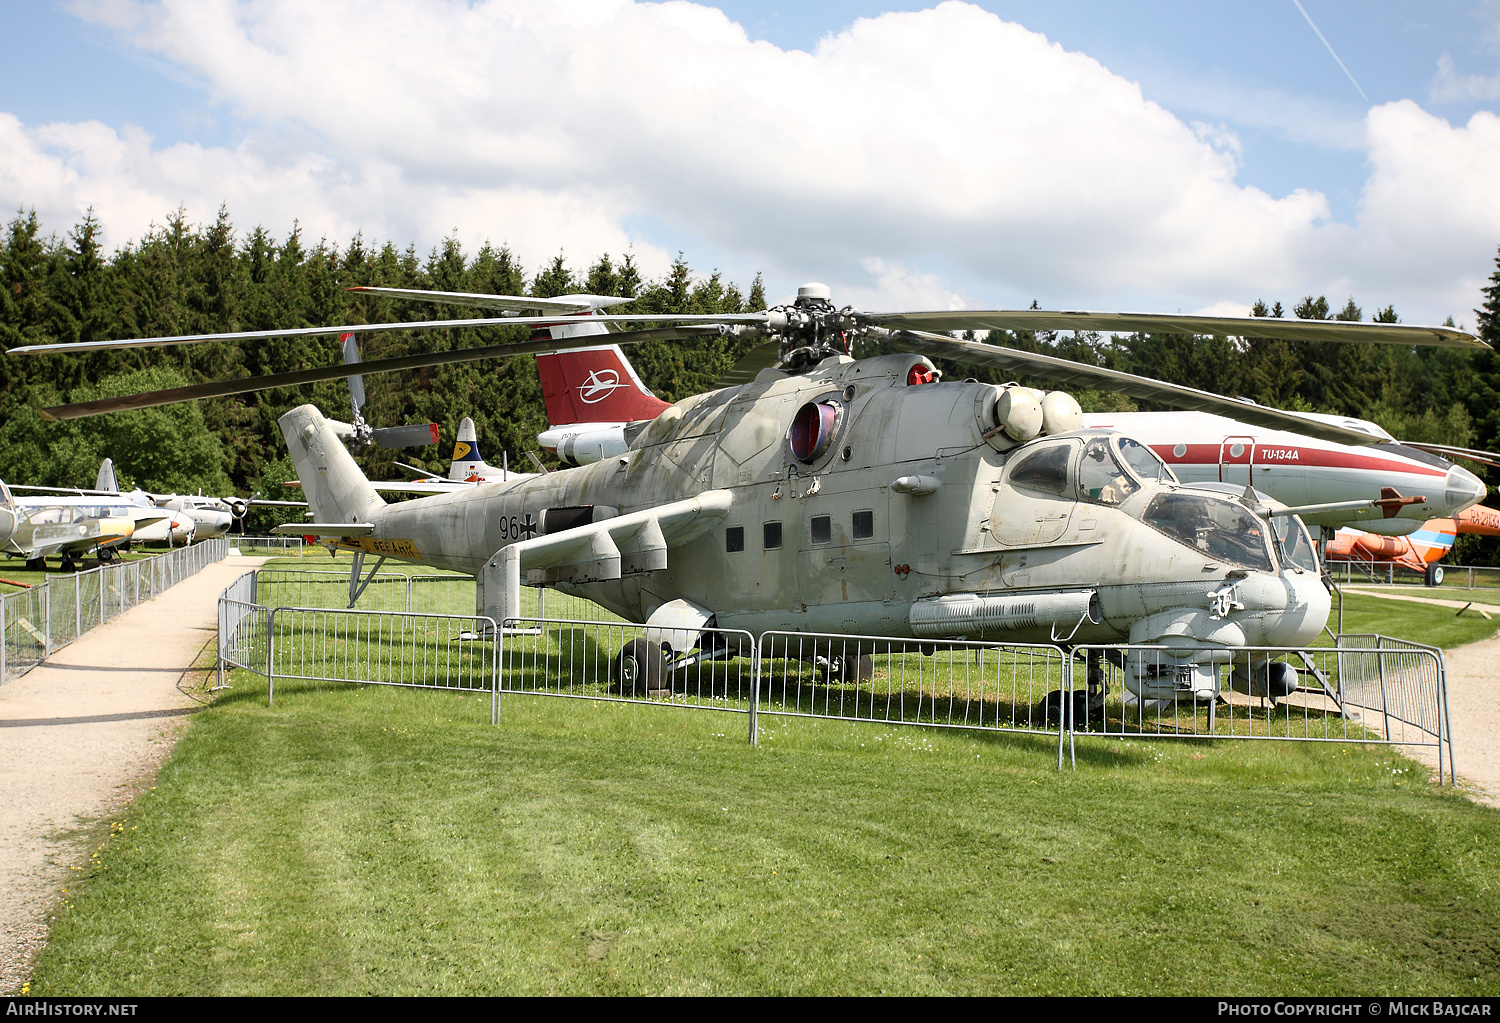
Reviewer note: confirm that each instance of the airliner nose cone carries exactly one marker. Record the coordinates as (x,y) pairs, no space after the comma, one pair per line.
(1463,489)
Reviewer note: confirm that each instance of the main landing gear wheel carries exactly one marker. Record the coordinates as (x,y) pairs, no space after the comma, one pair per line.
(1433,575)
(846,668)
(36,564)
(639,667)
(69,565)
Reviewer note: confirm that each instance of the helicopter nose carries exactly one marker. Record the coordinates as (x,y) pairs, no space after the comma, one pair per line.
(1462,490)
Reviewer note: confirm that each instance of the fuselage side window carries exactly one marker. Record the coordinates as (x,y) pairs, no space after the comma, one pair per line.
(1045,470)
(864,525)
(771,536)
(734,539)
(822,529)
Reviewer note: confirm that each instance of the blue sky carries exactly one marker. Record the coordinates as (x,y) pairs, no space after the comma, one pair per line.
(1306,185)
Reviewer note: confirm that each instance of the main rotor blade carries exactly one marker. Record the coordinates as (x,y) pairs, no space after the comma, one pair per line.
(1143,323)
(1450,452)
(245,385)
(1063,371)
(762,356)
(563,304)
(386,328)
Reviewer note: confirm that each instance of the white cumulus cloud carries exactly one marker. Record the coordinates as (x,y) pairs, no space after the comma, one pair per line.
(937,157)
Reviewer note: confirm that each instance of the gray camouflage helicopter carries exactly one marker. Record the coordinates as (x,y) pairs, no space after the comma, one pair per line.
(867,497)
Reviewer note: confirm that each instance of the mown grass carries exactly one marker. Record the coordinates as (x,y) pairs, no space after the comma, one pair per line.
(358,840)
(1479,594)
(1404,619)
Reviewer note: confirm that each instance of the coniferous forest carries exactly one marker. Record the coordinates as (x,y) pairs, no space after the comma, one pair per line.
(186,278)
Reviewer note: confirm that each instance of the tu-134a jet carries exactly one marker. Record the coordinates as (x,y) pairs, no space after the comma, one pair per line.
(865,497)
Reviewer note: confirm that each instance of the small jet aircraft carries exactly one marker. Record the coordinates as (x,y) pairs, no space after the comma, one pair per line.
(1419,551)
(72,527)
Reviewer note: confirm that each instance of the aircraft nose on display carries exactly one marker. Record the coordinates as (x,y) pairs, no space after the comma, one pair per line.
(1299,622)
(1463,489)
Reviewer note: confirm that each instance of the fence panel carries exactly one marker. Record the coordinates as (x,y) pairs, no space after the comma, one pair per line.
(937,683)
(280,546)
(1455,577)
(1367,689)
(380,648)
(24,619)
(620,661)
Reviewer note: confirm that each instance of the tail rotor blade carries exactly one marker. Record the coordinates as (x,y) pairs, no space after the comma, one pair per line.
(350,343)
(417,435)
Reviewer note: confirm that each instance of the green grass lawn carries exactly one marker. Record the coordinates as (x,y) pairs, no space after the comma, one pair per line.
(1404,619)
(359,840)
(1458,593)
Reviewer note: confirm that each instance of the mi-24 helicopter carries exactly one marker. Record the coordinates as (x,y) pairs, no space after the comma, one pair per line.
(866,497)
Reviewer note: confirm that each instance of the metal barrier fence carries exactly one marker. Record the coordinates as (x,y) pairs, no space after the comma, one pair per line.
(36,622)
(286,546)
(937,683)
(412,593)
(379,648)
(1455,577)
(1365,689)
(621,661)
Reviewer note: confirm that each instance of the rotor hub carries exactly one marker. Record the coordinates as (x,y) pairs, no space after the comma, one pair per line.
(811,328)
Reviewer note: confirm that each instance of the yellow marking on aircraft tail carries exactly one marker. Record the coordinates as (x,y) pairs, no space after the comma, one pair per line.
(390,548)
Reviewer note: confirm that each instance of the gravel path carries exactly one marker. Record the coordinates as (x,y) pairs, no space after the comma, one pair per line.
(1473,704)
(81,735)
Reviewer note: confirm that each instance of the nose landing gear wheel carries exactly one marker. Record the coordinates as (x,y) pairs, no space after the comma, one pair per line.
(639,668)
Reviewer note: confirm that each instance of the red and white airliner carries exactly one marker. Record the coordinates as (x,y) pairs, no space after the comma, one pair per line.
(1298,470)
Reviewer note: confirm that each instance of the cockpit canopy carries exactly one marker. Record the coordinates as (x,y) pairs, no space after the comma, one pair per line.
(1109,469)
(1221,529)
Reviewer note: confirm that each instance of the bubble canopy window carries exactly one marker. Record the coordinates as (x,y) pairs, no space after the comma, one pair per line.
(1143,461)
(1295,544)
(1220,529)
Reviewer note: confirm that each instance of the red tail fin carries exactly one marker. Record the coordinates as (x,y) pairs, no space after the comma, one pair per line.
(594,385)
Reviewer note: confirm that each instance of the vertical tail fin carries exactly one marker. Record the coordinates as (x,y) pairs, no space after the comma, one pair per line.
(106,479)
(467,461)
(336,490)
(594,385)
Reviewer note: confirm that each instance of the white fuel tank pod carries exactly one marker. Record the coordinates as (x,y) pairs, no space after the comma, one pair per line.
(1019,413)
